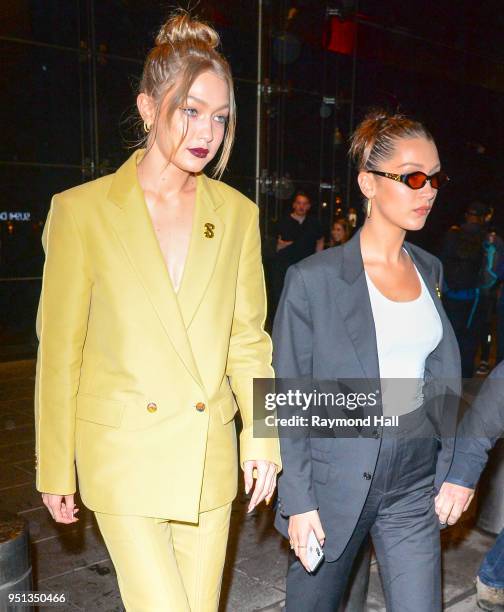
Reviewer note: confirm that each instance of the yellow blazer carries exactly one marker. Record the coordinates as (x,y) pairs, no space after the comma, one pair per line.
(135,382)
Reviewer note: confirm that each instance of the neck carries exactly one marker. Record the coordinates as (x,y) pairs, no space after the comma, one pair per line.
(297,217)
(381,243)
(160,176)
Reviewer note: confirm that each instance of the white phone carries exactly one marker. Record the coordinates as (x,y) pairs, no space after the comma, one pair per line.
(315,554)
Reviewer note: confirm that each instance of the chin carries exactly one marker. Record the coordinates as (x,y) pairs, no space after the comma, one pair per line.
(415,226)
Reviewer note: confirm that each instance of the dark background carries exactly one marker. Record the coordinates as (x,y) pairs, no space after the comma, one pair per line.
(69,71)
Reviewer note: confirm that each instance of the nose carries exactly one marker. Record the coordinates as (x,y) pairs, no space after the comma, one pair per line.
(206,131)
(429,190)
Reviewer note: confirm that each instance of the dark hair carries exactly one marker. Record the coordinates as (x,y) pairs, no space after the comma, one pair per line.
(375,138)
(185,48)
(302,193)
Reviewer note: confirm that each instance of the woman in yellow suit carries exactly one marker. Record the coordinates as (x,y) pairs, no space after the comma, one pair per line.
(151,331)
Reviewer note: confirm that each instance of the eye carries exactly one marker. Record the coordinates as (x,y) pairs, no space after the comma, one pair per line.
(221,119)
(190,112)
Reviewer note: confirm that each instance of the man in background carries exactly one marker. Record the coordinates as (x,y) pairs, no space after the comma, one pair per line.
(299,235)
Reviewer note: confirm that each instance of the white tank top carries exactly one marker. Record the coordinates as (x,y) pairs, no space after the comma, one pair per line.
(406,333)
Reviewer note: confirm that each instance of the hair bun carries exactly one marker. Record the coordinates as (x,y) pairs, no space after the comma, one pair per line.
(181,29)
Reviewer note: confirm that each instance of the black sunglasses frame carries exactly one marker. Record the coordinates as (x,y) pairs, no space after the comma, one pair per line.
(403,178)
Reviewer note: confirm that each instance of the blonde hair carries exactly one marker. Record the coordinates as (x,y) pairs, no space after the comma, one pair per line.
(185,48)
(375,138)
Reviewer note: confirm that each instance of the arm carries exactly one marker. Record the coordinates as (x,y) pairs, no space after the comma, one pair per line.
(292,337)
(320,245)
(250,348)
(61,328)
(281,244)
(480,428)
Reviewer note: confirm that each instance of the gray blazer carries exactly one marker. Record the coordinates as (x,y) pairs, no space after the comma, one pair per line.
(324,330)
(479,430)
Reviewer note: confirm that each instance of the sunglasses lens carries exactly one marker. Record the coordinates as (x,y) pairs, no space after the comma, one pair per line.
(439,179)
(416,180)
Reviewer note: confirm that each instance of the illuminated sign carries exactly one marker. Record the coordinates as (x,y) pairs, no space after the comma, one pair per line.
(14,216)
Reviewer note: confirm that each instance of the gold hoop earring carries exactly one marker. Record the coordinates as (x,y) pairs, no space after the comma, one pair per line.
(146,127)
(368,208)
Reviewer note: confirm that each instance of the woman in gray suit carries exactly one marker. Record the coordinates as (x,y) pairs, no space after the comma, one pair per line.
(370,310)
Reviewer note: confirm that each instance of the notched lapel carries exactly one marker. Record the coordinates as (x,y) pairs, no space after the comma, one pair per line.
(206,239)
(137,236)
(355,307)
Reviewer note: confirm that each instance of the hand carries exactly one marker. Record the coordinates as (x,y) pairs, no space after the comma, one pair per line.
(281,244)
(300,526)
(61,507)
(266,473)
(451,501)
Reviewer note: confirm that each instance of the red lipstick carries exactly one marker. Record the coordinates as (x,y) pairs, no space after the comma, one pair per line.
(201,153)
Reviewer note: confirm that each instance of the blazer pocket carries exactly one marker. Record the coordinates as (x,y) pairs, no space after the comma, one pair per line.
(227,409)
(101,411)
(320,471)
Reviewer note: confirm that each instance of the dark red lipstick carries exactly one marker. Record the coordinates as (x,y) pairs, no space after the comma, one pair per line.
(201,153)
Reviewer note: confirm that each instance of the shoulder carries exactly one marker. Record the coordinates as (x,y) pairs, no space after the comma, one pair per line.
(230,197)
(425,256)
(318,264)
(89,193)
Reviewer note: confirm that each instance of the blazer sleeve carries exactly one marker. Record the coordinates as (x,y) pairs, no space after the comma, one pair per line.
(479,430)
(61,328)
(250,349)
(293,353)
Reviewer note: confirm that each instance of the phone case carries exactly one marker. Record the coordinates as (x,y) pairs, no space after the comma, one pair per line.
(315,554)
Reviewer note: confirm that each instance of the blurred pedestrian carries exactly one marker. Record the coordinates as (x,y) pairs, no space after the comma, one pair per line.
(463,258)
(299,235)
(340,232)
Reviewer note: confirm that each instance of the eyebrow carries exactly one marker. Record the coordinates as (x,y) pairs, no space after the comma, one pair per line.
(416,165)
(205,104)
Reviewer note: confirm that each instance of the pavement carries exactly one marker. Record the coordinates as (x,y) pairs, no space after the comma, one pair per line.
(74,560)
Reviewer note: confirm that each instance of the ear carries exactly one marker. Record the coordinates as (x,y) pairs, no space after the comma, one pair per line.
(146,108)
(367,184)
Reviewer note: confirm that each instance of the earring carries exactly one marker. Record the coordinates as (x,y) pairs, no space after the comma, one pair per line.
(368,208)
(146,127)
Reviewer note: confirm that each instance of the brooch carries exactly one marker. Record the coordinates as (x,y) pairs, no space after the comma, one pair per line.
(209,230)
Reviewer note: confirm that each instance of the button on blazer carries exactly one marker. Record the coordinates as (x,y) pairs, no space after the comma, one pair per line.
(136,384)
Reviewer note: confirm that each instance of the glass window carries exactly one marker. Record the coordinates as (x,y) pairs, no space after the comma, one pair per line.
(48,21)
(40,108)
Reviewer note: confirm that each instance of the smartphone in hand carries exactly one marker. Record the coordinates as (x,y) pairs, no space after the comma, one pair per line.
(314,551)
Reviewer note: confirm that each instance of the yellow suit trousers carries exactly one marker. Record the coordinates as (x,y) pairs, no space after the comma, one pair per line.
(168,566)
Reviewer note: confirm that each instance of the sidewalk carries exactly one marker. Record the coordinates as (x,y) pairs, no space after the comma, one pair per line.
(75,560)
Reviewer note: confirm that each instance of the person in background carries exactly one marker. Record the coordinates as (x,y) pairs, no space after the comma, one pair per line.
(493,248)
(463,260)
(299,235)
(340,232)
(479,430)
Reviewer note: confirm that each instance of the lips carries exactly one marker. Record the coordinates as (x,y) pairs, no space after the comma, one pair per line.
(201,153)
(424,210)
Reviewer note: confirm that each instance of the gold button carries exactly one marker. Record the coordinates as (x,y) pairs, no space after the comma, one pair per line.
(151,407)
(200,406)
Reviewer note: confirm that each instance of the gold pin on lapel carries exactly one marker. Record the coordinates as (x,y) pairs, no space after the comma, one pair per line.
(209,230)
(438,291)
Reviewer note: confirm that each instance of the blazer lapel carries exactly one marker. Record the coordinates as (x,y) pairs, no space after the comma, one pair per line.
(206,238)
(355,307)
(136,234)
